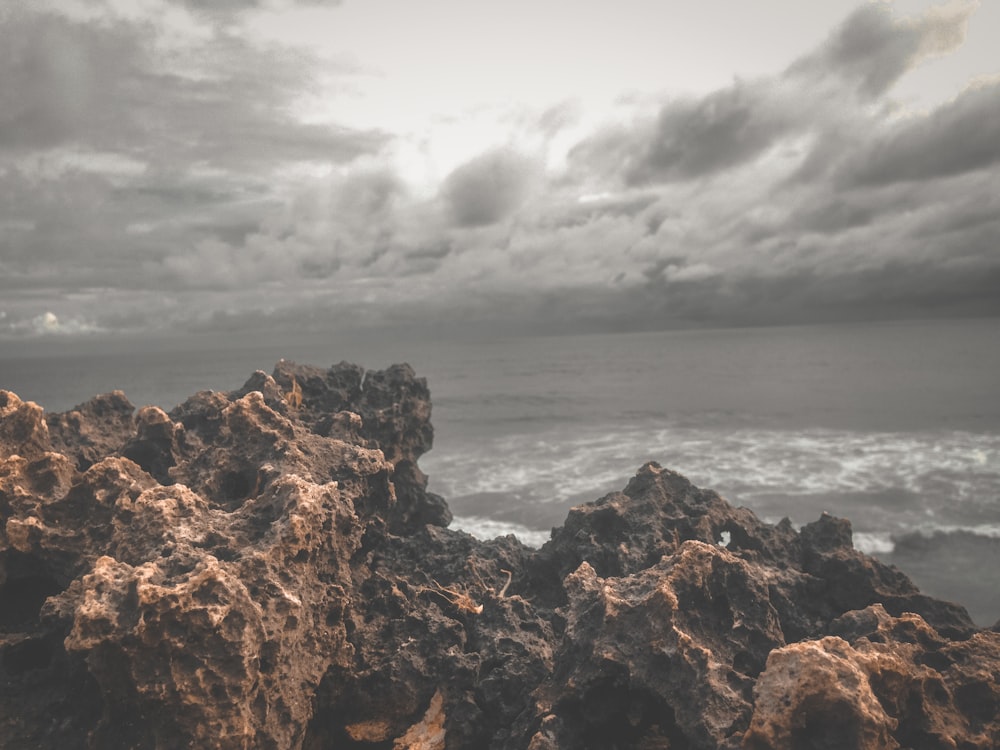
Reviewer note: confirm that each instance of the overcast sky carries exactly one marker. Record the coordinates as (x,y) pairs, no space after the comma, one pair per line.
(198,165)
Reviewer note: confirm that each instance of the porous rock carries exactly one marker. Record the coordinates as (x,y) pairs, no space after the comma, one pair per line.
(265,569)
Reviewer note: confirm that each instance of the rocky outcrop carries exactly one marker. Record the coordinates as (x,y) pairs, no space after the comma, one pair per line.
(266,569)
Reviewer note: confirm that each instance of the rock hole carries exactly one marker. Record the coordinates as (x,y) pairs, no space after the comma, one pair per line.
(268,657)
(214,543)
(977,700)
(610,714)
(831,727)
(935,660)
(745,663)
(153,459)
(723,610)
(225,554)
(337,700)
(334,615)
(235,487)
(28,655)
(23,594)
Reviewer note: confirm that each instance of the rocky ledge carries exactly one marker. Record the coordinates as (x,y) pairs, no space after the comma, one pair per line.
(265,569)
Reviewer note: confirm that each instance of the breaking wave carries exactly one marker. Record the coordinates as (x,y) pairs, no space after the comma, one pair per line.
(887,483)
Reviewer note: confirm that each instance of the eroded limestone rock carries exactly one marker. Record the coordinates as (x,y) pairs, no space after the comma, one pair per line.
(265,569)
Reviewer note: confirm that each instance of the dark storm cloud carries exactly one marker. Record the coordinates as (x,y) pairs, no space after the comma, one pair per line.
(487,188)
(895,289)
(837,214)
(694,138)
(101,85)
(135,162)
(979,214)
(64,240)
(733,126)
(335,229)
(435,251)
(959,137)
(53,78)
(872,49)
(238,118)
(892,290)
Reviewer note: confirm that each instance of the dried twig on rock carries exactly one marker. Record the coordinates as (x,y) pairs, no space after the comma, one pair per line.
(456,597)
(294,396)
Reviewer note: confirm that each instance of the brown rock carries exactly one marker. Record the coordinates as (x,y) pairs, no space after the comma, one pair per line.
(669,652)
(265,569)
(898,684)
(814,695)
(23,431)
(94,429)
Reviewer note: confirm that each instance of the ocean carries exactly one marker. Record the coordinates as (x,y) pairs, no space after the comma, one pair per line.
(895,426)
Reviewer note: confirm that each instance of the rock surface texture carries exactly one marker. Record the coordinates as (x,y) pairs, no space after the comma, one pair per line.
(266,569)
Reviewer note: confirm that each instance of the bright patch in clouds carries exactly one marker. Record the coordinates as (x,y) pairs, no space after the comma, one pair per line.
(49,324)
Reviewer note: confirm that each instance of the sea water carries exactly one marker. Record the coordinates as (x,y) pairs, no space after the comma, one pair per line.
(895,426)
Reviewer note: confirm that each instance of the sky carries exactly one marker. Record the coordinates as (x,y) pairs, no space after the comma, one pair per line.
(200,166)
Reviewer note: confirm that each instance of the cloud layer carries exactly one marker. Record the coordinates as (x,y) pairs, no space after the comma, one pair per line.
(158,173)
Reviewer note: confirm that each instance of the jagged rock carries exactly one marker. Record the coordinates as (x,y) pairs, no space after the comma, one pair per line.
(23,432)
(665,653)
(221,626)
(265,569)
(92,430)
(157,444)
(894,682)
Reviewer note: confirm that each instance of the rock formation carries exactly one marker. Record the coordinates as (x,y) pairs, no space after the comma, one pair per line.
(266,569)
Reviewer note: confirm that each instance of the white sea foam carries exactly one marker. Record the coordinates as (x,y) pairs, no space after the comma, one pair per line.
(874,544)
(489,528)
(820,461)
(887,483)
(989,530)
